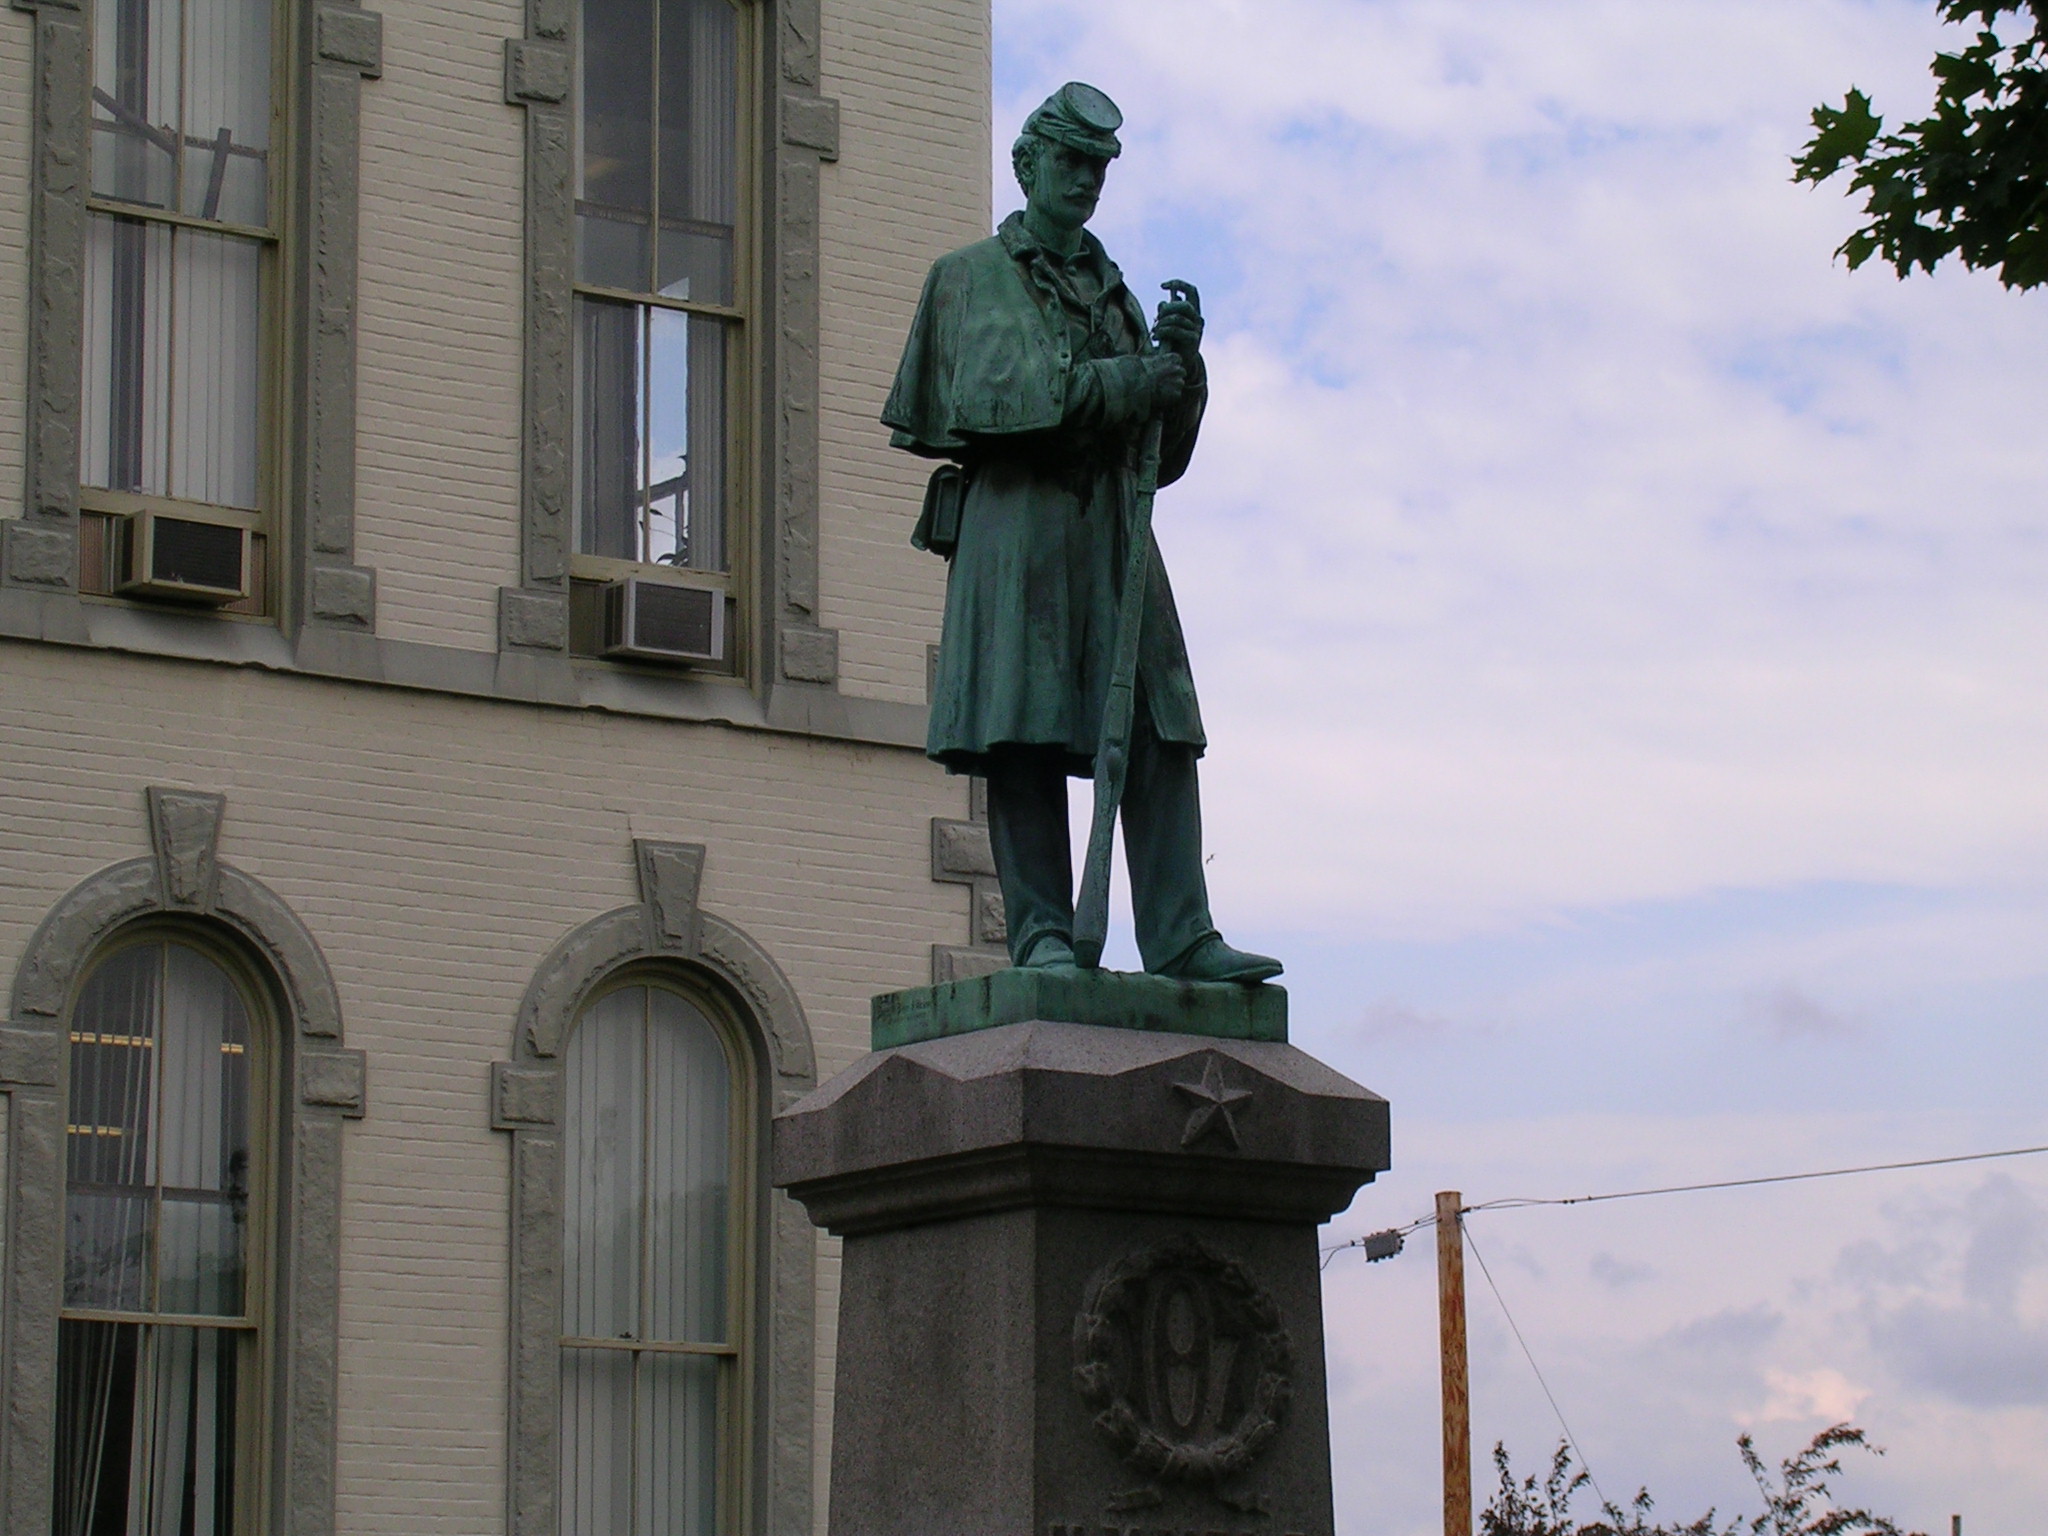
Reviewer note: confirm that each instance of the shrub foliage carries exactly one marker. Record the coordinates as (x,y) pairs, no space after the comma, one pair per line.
(1799,1498)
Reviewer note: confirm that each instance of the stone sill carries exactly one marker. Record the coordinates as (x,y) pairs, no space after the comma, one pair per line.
(555,682)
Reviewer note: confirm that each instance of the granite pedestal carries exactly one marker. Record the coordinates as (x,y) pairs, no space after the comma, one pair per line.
(1079,1287)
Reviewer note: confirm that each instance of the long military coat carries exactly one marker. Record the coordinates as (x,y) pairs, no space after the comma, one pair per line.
(1026,370)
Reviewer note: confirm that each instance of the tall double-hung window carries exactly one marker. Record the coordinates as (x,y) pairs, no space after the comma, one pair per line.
(661,279)
(180,258)
(160,1337)
(651,1311)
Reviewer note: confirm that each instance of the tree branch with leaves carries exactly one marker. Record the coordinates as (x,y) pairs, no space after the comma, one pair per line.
(1969,180)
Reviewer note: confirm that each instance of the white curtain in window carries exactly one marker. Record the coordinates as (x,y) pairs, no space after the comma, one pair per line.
(216,367)
(183,1439)
(689,1157)
(646,1196)
(173,326)
(711,77)
(698,149)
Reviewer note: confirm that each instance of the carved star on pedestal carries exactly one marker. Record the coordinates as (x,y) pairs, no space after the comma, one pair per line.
(1213,1104)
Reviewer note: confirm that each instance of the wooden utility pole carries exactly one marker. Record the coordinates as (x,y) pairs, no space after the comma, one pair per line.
(1450,1306)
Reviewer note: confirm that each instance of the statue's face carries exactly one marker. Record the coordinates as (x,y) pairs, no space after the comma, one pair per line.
(1066,185)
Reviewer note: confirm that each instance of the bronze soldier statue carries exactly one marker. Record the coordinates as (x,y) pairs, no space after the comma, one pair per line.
(1030,369)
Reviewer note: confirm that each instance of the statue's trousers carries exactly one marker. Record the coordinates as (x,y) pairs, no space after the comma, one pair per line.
(1162,822)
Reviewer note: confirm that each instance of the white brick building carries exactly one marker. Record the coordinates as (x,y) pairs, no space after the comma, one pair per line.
(399,976)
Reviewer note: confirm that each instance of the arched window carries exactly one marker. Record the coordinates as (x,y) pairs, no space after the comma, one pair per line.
(653,1157)
(160,1336)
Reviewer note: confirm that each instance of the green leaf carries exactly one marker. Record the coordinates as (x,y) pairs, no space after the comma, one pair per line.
(1843,133)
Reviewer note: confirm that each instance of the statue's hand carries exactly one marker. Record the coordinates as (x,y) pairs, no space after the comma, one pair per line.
(1178,327)
(1168,376)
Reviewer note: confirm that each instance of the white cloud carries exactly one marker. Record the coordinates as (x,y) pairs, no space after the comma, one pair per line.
(1801,1397)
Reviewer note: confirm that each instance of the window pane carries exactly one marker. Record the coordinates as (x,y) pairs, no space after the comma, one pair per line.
(109,1248)
(95,1425)
(678,1445)
(615,163)
(127,355)
(216,369)
(146,1429)
(173,326)
(113,1056)
(596,1490)
(135,108)
(204,1154)
(607,445)
(689,1173)
(602,1181)
(202,1255)
(686,440)
(227,111)
(699,148)
(110,1227)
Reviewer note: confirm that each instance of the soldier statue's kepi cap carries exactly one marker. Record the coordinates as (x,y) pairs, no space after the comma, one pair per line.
(1081,117)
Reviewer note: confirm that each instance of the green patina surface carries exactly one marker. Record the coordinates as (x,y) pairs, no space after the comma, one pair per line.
(1114,999)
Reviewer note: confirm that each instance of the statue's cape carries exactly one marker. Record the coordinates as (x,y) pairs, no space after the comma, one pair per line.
(986,355)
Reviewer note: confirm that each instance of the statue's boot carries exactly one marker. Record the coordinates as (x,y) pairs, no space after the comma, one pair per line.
(1048,952)
(1213,960)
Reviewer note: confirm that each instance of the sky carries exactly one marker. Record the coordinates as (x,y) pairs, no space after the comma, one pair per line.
(1623,638)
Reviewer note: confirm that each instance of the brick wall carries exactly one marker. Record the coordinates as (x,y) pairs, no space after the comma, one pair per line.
(438,344)
(912,182)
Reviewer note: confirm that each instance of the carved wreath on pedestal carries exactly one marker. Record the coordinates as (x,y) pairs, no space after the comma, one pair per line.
(1187,1363)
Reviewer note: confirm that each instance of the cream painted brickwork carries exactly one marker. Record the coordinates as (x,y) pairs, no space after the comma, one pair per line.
(17,46)
(438,348)
(912,182)
(437,847)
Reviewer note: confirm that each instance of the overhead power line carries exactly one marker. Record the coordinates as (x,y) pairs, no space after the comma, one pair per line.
(1516,1203)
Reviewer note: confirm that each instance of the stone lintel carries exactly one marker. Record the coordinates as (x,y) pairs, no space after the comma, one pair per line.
(1111,999)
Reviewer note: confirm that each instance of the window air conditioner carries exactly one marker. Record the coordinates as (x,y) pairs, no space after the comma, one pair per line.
(661,621)
(159,555)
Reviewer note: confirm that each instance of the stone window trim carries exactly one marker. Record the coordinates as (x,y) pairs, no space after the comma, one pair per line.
(664,933)
(335,46)
(184,883)
(798,132)
(961,855)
